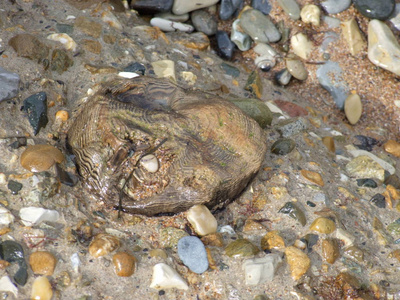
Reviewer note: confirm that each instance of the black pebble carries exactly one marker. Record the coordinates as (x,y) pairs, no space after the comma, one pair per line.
(149,7)
(367,182)
(136,68)
(379,200)
(36,108)
(367,143)
(14,186)
(225,45)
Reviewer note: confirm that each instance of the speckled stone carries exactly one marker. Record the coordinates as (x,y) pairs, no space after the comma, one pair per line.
(259,26)
(323,225)
(363,167)
(193,254)
(298,262)
(291,127)
(375,9)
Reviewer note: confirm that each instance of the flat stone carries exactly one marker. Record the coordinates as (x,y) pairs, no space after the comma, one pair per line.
(42,263)
(29,46)
(395,19)
(382,163)
(292,109)
(296,67)
(298,262)
(65,28)
(331,21)
(224,44)
(262,5)
(39,158)
(323,225)
(364,166)
(170,26)
(352,34)
(203,222)
(184,6)
(378,200)
(335,6)
(170,16)
(196,40)
(375,9)
(259,27)
(31,216)
(241,39)
(87,26)
(165,277)
(255,109)
(9,83)
(301,45)
(150,7)
(291,8)
(262,269)
(311,14)
(383,47)
(353,108)
(367,182)
(36,108)
(193,254)
(230,70)
(204,22)
(329,143)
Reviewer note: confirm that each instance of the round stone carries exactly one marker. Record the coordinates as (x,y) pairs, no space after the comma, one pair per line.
(204,22)
(39,158)
(193,254)
(42,263)
(323,225)
(283,146)
(240,248)
(375,9)
(41,289)
(353,108)
(124,264)
(296,67)
(103,244)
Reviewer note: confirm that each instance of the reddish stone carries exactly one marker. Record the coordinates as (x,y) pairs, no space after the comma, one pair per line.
(293,110)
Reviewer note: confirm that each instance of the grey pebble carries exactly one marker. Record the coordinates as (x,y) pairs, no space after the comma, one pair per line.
(204,22)
(193,254)
(262,5)
(8,84)
(291,127)
(335,6)
(259,27)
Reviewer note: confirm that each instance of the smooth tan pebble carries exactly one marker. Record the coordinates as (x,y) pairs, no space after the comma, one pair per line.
(296,67)
(323,225)
(313,177)
(62,115)
(103,244)
(272,240)
(150,163)
(160,253)
(124,264)
(39,158)
(42,263)
(353,108)
(298,262)
(392,147)
(41,289)
(330,250)
(202,220)
(329,143)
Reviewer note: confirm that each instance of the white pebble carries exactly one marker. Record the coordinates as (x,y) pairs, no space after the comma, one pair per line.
(65,39)
(6,217)
(301,45)
(31,216)
(7,286)
(227,229)
(260,270)
(75,262)
(128,74)
(165,277)
(311,13)
(3,178)
(70,17)
(167,25)
(150,163)
(202,220)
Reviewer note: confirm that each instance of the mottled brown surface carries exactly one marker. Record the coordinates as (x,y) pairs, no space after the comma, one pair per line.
(207,148)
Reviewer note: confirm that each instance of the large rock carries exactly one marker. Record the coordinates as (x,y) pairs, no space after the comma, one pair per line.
(207,148)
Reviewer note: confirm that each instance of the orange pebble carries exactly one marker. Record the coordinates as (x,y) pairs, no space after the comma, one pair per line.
(62,115)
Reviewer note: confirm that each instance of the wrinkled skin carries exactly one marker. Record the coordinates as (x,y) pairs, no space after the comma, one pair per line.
(207,148)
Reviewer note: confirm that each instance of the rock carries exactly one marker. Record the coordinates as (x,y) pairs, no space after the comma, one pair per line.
(11,252)
(323,225)
(301,45)
(29,46)
(330,250)
(204,22)
(254,84)
(283,77)
(383,47)
(393,180)
(170,26)
(394,228)
(65,28)
(62,116)
(260,270)
(42,263)
(39,158)
(150,163)
(272,240)
(14,186)
(213,239)
(367,182)
(9,83)
(259,27)
(283,146)
(335,6)
(7,286)
(196,40)
(331,22)
(41,289)
(329,143)
(64,39)
(345,237)
(293,211)
(164,69)
(352,34)
(375,9)
(230,70)
(135,68)
(60,61)
(150,7)
(395,18)
(165,277)
(296,67)
(291,127)
(330,77)
(364,166)
(392,147)
(292,109)
(241,248)
(384,164)
(32,216)
(224,44)
(6,217)
(298,262)
(241,39)
(124,264)
(87,26)
(109,18)
(353,108)
(36,108)
(379,200)
(311,14)
(183,6)
(228,7)
(203,222)
(102,244)
(255,109)
(262,5)
(367,143)
(291,8)
(170,16)
(266,56)
(193,254)
(170,236)
(354,253)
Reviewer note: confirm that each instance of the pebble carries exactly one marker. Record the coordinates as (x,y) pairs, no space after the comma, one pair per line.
(283,146)
(395,19)
(64,39)
(329,143)
(42,263)
(382,163)
(109,18)
(224,44)
(291,127)
(254,84)
(32,216)
(62,116)
(205,22)
(171,26)
(283,77)
(102,244)
(241,39)
(301,45)
(266,56)
(353,108)
(29,46)
(241,248)
(150,7)
(260,270)
(65,28)
(196,40)
(159,253)
(9,83)
(383,47)
(75,262)
(375,9)
(292,109)
(354,253)
(41,289)
(14,186)
(164,69)
(291,8)
(230,70)
(392,147)
(228,7)
(323,225)
(293,211)
(184,6)
(7,286)
(202,220)
(296,67)
(89,27)
(313,177)
(255,109)
(367,143)
(394,228)
(272,240)
(259,27)
(11,252)
(193,254)
(170,16)
(170,236)
(330,77)
(330,250)
(213,239)
(262,5)
(150,163)
(367,182)
(335,6)
(124,264)
(331,21)
(345,237)
(60,61)
(352,34)
(298,262)
(6,217)
(90,46)
(378,200)
(165,277)
(39,158)
(135,68)
(36,108)
(311,14)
